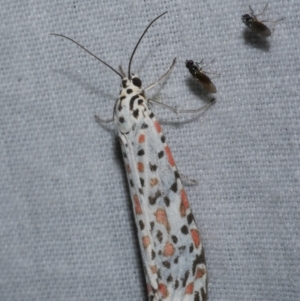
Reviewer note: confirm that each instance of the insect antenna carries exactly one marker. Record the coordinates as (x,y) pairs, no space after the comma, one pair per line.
(136,46)
(65,37)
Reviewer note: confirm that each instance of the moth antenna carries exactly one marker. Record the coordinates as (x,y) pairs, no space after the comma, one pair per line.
(65,37)
(136,46)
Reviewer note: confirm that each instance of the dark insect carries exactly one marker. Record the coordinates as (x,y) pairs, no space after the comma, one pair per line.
(200,76)
(256,25)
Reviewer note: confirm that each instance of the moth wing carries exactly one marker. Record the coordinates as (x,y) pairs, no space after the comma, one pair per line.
(170,242)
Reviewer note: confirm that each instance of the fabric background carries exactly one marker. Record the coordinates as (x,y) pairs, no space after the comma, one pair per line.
(66,222)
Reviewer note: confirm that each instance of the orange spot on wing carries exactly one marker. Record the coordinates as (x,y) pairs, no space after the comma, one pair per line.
(157,127)
(137,205)
(142,138)
(184,205)
(146,241)
(196,237)
(140,166)
(169,156)
(189,288)
(161,217)
(200,273)
(169,249)
(163,290)
(153,182)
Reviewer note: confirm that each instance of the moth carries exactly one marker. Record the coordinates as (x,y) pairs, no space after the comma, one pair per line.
(170,243)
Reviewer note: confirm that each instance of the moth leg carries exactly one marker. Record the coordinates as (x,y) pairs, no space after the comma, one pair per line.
(100,120)
(177,111)
(162,77)
(187,180)
(199,109)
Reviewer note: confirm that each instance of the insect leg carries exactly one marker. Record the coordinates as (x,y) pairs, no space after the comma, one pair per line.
(177,111)
(263,11)
(162,77)
(100,120)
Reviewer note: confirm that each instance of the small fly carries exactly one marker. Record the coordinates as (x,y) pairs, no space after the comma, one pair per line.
(198,73)
(256,25)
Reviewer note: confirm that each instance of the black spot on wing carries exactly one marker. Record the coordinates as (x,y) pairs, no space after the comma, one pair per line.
(151,225)
(176,284)
(196,296)
(141,152)
(160,154)
(153,167)
(167,201)
(184,230)
(185,278)
(166,264)
(199,259)
(174,239)
(158,274)
(152,199)
(141,224)
(169,278)
(159,235)
(174,187)
(190,218)
(135,113)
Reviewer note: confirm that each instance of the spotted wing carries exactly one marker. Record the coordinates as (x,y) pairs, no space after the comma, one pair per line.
(170,244)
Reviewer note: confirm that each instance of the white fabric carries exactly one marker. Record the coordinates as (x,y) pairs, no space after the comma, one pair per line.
(66,222)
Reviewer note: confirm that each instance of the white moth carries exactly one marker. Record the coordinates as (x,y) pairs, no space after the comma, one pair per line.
(172,252)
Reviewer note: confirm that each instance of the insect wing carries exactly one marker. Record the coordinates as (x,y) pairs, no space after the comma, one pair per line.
(170,242)
(261,29)
(205,81)
(199,75)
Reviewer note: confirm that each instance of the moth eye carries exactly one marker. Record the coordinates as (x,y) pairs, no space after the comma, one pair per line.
(137,82)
